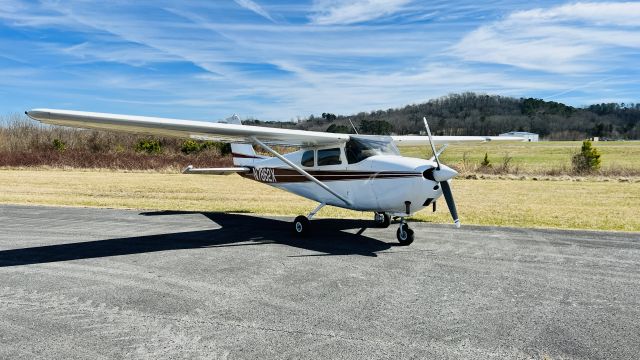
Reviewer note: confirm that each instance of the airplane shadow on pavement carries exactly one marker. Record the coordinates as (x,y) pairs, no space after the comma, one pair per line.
(327,238)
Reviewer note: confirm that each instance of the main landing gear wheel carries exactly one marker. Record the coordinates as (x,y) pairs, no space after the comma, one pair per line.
(404,234)
(301,226)
(382,220)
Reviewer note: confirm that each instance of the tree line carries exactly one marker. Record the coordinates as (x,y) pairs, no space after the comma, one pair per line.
(478,114)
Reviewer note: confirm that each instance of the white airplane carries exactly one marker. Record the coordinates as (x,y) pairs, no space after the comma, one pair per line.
(358,172)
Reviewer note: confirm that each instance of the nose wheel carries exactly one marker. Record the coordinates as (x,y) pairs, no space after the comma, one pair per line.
(404,234)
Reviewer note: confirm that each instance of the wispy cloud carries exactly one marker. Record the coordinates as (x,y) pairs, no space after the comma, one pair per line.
(573,38)
(599,13)
(331,12)
(205,60)
(255,7)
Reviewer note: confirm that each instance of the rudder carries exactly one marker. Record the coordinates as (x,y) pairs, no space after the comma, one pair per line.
(243,154)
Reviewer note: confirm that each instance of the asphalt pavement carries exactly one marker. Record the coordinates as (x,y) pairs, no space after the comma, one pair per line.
(80,283)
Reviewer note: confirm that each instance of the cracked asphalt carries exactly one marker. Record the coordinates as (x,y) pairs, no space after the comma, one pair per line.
(80,283)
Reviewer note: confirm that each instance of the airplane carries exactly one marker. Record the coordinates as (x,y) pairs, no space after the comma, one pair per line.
(357,172)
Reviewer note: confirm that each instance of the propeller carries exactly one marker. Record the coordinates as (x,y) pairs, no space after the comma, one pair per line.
(442,174)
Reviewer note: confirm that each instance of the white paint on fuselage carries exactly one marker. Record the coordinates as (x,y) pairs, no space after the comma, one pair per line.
(372,194)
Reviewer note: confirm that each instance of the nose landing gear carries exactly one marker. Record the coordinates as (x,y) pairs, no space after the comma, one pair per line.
(404,233)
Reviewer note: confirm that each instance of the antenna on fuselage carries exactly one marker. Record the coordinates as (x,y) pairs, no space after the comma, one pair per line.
(353,126)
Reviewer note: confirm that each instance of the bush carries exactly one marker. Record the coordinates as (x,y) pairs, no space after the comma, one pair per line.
(192,147)
(506,166)
(486,163)
(223,148)
(59,145)
(587,160)
(150,146)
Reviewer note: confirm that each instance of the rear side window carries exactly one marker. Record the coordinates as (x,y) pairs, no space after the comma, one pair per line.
(329,157)
(307,158)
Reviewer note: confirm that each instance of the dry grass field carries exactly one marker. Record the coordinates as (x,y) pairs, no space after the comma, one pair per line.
(587,204)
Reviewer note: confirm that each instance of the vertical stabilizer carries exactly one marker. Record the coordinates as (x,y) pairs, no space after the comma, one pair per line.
(243,154)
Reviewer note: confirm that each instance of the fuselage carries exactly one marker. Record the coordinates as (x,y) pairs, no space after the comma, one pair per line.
(380,183)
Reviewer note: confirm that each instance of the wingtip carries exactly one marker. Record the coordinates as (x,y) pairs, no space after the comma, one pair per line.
(38,114)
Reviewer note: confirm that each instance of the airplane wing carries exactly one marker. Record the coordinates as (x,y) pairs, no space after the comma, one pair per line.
(413,140)
(199,130)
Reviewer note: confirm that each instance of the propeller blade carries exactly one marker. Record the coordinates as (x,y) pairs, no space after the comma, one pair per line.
(448,196)
(440,151)
(448,173)
(433,147)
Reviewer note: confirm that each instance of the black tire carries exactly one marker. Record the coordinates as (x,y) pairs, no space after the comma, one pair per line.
(301,226)
(408,235)
(384,222)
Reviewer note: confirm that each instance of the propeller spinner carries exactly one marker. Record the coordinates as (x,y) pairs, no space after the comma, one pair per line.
(442,174)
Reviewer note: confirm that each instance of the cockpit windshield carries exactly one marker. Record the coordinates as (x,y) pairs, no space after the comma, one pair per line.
(359,148)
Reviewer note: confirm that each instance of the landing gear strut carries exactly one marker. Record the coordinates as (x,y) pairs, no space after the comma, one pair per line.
(382,220)
(404,233)
(302,224)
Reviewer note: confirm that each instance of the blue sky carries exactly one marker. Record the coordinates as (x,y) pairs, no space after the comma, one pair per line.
(278,60)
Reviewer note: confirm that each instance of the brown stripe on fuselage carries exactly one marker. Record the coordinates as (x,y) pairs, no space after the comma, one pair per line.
(244,156)
(292,176)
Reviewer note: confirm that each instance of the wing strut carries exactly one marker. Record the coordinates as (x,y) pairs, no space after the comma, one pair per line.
(300,170)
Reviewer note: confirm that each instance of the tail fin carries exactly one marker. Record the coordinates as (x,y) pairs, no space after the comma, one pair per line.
(243,154)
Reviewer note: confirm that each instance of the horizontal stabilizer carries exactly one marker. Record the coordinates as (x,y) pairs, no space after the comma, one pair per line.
(214,171)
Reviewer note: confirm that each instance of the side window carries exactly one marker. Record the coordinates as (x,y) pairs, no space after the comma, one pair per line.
(307,158)
(353,150)
(329,157)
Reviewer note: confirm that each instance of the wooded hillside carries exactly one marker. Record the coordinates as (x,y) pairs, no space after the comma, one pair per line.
(477,114)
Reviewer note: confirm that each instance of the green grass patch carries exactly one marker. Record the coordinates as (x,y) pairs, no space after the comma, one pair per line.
(535,157)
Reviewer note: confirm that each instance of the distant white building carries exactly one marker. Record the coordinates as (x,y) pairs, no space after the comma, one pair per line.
(523,134)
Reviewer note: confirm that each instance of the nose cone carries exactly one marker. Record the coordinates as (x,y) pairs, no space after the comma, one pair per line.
(445,173)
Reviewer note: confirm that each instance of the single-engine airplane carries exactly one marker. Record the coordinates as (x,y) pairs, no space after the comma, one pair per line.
(358,172)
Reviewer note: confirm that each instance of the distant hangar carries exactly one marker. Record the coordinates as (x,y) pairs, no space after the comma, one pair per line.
(523,134)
